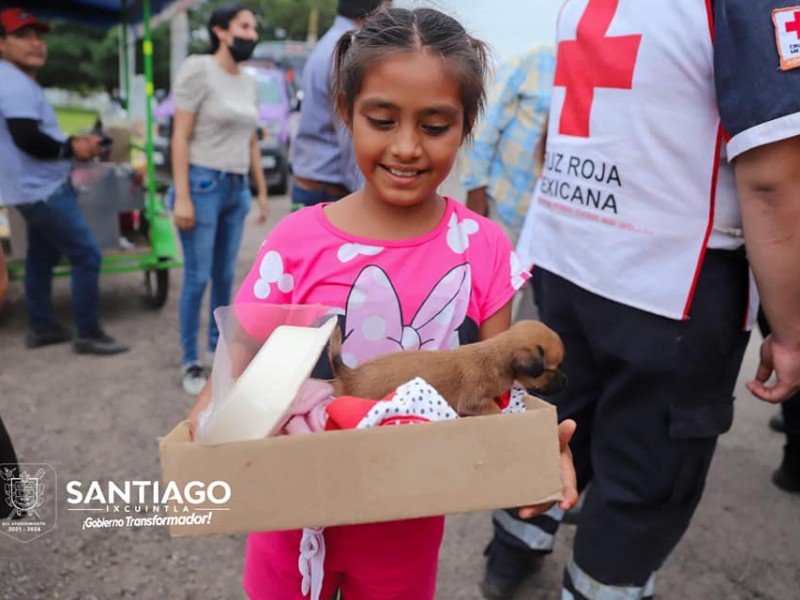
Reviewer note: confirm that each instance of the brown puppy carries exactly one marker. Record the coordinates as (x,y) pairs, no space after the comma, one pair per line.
(469,377)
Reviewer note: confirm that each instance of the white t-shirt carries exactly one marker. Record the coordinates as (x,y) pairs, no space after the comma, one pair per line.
(635,185)
(226,113)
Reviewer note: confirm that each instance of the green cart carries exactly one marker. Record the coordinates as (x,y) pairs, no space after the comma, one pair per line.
(124,204)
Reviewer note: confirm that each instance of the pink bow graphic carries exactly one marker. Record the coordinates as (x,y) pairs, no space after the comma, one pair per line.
(374,317)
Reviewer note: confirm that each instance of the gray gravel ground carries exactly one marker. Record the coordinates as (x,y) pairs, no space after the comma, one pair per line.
(100,418)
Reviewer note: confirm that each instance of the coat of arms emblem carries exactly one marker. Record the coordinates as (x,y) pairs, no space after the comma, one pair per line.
(24,493)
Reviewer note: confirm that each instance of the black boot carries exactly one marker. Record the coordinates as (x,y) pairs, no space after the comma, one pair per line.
(787,477)
(507,567)
(776,422)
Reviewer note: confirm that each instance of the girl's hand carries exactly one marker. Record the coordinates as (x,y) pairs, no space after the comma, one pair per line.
(569,481)
(263,208)
(183,213)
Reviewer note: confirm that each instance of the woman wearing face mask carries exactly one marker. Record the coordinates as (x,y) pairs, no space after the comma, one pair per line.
(214,146)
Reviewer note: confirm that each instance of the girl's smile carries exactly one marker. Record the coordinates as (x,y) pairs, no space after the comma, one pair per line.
(403,176)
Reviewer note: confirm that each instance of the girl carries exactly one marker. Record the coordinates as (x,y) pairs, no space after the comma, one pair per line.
(214,144)
(407,267)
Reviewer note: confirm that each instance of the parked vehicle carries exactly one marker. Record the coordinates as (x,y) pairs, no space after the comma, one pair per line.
(288,55)
(276,104)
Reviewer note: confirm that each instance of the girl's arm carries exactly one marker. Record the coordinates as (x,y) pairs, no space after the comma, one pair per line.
(182,127)
(203,400)
(497,323)
(257,173)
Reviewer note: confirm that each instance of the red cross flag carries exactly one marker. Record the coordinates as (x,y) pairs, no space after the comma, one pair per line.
(787,36)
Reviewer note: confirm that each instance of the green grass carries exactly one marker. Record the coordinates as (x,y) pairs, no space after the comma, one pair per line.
(75,120)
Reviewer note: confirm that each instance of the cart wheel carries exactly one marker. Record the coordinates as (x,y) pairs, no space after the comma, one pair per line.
(156,287)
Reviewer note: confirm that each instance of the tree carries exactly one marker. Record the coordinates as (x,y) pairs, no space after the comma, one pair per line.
(74,57)
(288,16)
(84,58)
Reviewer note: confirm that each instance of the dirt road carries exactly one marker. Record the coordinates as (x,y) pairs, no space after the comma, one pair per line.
(100,419)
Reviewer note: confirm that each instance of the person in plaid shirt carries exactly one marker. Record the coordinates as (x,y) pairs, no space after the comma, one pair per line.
(502,167)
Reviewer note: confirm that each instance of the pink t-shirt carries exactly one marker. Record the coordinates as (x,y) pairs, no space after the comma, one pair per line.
(429,292)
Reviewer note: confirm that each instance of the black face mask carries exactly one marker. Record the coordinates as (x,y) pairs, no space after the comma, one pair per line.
(242,49)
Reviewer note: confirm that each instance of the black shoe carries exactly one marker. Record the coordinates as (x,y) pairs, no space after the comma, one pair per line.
(776,422)
(54,334)
(507,567)
(98,343)
(787,476)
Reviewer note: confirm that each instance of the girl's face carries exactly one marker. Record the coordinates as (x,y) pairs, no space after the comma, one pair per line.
(407,127)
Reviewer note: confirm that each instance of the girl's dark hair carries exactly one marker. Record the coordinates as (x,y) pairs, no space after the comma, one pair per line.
(405,30)
(222,17)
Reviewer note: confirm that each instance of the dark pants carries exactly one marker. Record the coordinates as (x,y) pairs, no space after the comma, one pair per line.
(57,228)
(8,459)
(302,197)
(650,396)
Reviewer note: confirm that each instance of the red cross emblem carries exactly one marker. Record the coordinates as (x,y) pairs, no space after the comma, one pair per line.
(593,60)
(794,26)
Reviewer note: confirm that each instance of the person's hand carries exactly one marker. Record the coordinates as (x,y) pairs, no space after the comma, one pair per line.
(569,481)
(86,147)
(183,213)
(478,201)
(263,208)
(785,363)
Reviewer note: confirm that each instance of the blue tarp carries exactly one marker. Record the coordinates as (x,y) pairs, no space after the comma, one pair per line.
(104,13)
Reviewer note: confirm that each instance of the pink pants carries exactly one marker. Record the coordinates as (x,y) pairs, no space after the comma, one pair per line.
(396,560)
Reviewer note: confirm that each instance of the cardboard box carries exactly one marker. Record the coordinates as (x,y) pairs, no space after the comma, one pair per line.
(339,477)
(370,475)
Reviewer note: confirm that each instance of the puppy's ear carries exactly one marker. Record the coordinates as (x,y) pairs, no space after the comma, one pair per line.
(335,351)
(532,366)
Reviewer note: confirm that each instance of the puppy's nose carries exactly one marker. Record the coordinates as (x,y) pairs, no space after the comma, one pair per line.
(557,382)
(562,380)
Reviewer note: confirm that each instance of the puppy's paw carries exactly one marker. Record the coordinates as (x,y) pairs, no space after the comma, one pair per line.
(483,408)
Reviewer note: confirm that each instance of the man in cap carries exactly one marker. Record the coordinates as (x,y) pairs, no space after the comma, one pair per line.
(35,178)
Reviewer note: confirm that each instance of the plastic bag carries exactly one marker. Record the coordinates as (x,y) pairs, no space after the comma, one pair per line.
(244,331)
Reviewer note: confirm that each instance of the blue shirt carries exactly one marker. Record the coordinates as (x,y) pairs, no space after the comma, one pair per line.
(757,98)
(503,152)
(323,148)
(25,179)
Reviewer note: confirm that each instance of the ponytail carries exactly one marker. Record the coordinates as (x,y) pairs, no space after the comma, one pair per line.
(339,54)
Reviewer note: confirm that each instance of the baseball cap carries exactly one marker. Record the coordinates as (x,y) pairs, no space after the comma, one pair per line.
(14,19)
